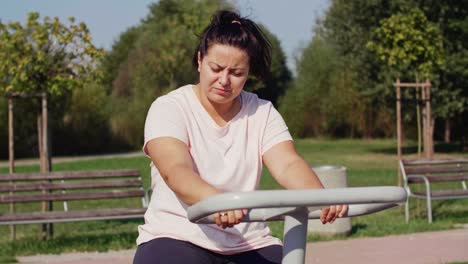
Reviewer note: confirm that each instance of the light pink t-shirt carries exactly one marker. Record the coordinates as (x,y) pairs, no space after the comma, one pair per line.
(228,157)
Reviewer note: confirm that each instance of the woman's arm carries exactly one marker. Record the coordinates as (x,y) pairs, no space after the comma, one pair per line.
(289,169)
(172,158)
(176,167)
(292,172)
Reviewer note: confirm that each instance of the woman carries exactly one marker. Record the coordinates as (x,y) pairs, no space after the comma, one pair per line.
(213,137)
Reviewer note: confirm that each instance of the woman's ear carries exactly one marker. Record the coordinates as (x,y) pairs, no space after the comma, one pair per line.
(199,61)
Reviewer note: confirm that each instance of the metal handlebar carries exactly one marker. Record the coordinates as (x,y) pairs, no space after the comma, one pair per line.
(295,207)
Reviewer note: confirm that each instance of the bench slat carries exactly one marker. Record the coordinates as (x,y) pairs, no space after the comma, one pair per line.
(439,178)
(445,193)
(435,161)
(71,216)
(69,175)
(441,169)
(69,185)
(71,196)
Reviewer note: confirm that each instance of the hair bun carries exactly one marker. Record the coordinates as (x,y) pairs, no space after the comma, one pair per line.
(225,17)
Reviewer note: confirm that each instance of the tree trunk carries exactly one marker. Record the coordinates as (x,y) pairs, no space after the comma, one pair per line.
(11,157)
(447,131)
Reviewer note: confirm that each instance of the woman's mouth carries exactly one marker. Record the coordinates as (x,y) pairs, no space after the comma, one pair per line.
(222,91)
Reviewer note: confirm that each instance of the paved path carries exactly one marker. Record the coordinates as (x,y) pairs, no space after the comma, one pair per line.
(26,162)
(428,248)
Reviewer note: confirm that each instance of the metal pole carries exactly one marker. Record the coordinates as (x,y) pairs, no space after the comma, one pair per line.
(295,236)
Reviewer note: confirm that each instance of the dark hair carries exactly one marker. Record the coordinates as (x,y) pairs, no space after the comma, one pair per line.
(229,28)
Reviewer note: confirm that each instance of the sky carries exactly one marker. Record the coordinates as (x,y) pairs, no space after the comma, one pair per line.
(291,21)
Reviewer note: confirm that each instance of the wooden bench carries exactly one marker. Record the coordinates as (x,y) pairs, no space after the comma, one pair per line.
(116,194)
(433,174)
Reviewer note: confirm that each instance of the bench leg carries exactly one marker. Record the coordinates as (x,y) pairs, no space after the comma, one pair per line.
(429,210)
(407,210)
(429,204)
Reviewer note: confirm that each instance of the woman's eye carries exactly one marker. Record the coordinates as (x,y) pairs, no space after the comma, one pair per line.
(216,69)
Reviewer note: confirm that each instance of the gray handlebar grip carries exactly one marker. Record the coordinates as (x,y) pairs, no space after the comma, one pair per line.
(362,200)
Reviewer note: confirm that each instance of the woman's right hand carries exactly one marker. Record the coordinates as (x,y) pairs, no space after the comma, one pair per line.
(229,218)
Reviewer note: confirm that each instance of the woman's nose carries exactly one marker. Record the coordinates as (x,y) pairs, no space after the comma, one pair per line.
(224,78)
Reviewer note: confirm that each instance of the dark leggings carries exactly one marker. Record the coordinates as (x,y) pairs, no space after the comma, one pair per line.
(173,251)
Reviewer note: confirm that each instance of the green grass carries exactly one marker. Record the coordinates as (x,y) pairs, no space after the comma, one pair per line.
(368,163)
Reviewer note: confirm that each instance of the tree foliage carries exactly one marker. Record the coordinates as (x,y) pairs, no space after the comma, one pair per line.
(154,58)
(408,41)
(408,36)
(156,61)
(58,59)
(46,56)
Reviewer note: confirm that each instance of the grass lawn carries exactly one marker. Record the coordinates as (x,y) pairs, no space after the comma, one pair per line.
(368,163)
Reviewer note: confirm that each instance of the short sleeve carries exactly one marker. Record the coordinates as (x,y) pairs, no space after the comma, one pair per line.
(165,119)
(276,130)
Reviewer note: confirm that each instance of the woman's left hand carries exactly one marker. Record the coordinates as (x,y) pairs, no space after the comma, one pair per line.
(229,218)
(329,214)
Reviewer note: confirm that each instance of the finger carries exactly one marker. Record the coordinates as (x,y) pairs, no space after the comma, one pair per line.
(344,210)
(323,215)
(238,216)
(223,219)
(217,219)
(331,214)
(337,210)
(231,218)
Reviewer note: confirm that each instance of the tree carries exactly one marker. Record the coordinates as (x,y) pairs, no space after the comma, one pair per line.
(408,42)
(451,99)
(274,87)
(45,57)
(158,61)
(119,52)
(348,26)
(49,57)
(322,100)
(153,58)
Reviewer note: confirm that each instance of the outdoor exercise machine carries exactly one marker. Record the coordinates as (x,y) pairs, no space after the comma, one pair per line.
(295,207)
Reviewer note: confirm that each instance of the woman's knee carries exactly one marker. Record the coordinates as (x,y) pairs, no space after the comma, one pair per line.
(267,255)
(171,251)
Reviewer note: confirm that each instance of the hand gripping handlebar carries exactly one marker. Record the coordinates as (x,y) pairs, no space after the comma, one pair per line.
(295,207)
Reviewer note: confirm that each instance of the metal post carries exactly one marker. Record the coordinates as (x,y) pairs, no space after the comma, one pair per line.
(295,236)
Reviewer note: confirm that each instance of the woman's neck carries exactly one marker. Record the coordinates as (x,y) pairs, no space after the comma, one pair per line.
(220,113)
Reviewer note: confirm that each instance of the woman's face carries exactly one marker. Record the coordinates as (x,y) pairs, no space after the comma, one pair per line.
(223,73)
